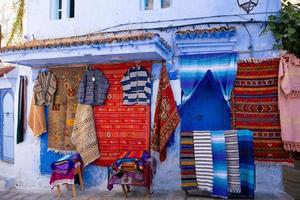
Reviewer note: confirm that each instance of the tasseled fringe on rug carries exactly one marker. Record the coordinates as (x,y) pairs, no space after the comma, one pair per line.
(204,189)
(62,151)
(268,163)
(254,60)
(236,190)
(292,146)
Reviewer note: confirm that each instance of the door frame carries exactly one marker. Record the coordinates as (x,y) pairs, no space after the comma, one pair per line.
(3,92)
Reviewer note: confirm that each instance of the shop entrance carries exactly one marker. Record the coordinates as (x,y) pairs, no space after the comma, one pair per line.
(6,125)
(206,109)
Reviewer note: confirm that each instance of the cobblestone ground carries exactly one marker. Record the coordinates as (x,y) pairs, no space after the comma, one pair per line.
(118,194)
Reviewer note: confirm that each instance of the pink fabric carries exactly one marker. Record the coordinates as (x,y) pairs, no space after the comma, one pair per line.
(289,101)
(59,179)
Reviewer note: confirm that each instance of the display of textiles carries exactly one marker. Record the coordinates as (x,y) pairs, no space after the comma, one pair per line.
(120,127)
(254,106)
(218,162)
(62,111)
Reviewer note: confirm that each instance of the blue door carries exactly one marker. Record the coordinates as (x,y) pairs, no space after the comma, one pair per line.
(6,125)
(206,109)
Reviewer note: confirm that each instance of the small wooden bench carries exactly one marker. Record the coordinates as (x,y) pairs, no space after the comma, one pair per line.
(77,171)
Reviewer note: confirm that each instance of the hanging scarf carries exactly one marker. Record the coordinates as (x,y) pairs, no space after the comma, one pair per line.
(166,117)
(22,124)
(37,120)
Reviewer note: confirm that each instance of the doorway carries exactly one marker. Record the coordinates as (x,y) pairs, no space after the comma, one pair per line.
(206,109)
(6,125)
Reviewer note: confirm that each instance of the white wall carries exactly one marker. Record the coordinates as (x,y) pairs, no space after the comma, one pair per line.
(95,15)
(25,168)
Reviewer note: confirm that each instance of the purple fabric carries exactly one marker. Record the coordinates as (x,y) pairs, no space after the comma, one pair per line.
(66,164)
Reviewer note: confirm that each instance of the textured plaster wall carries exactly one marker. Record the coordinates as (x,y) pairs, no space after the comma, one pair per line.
(103,14)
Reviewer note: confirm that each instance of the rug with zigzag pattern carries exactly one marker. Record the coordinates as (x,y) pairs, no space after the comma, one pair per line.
(254,106)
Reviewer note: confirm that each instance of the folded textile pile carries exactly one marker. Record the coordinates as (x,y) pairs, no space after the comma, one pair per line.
(130,161)
(218,162)
(63,170)
(132,168)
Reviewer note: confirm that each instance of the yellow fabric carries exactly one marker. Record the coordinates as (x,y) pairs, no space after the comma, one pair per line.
(37,121)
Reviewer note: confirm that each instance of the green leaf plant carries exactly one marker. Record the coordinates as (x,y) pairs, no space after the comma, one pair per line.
(286,28)
(17,27)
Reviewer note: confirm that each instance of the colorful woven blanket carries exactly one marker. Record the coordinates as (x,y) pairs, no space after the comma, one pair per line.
(203,160)
(62,112)
(232,158)
(166,116)
(254,106)
(219,164)
(84,135)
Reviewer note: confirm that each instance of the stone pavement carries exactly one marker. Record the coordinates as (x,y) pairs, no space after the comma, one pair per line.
(117,194)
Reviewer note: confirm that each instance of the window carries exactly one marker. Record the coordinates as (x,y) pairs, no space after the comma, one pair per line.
(148,4)
(62,9)
(56,9)
(155,4)
(165,3)
(71,8)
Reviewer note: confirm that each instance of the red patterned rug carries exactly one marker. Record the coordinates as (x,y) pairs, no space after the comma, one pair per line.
(254,106)
(120,128)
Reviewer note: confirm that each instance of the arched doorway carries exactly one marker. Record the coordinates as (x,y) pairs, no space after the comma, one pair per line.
(6,125)
(206,109)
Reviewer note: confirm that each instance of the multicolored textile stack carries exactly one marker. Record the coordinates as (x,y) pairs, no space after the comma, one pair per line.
(62,170)
(218,162)
(254,106)
(133,168)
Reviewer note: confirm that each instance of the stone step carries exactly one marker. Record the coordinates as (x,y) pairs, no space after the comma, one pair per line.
(6,183)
